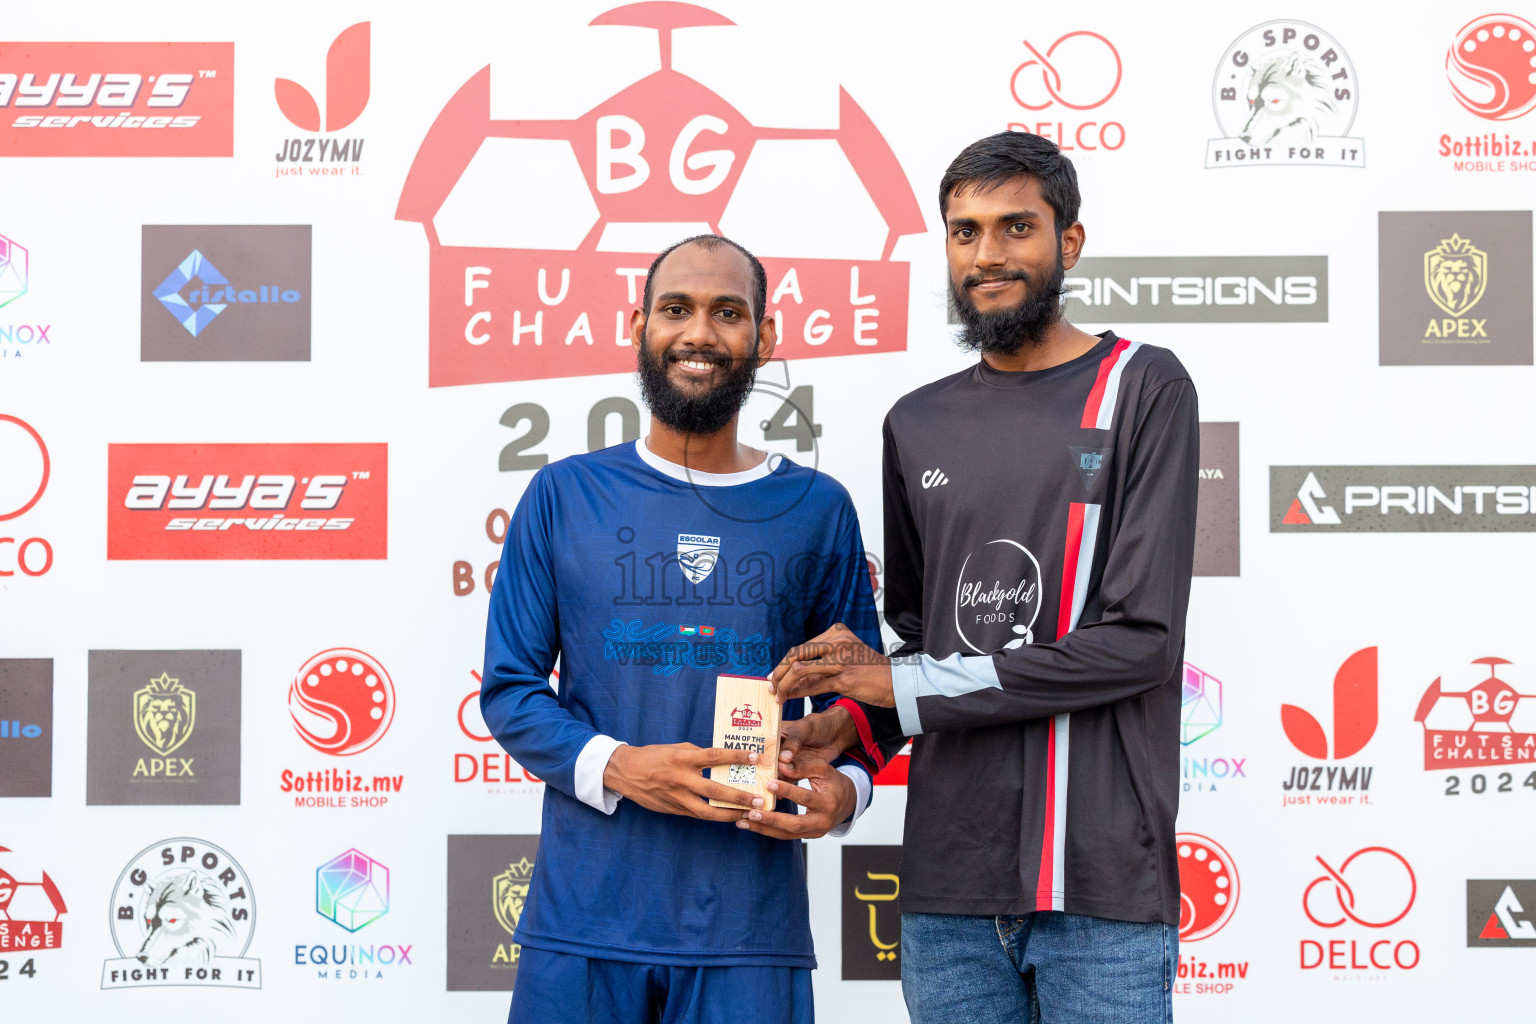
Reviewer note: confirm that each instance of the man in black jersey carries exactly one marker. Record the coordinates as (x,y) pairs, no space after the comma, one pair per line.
(1039,541)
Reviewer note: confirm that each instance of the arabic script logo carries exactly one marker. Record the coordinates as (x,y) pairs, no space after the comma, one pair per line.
(1492,66)
(164,713)
(1381,894)
(1455,275)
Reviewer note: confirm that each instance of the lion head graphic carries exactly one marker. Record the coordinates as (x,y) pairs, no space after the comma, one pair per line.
(509,894)
(164,713)
(1455,275)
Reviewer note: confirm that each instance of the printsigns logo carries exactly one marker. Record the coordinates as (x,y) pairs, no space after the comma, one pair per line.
(871,924)
(164,713)
(31,912)
(232,293)
(217,501)
(488,882)
(1455,275)
(1474,262)
(352,889)
(1286,93)
(1208,887)
(997,597)
(342,701)
(697,556)
(1402,499)
(565,269)
(182,913)
(117,99)
(1491,65)
(1079,71)
(1490,723)
(1500,912)
(14,274)
(26,727)
(1198,289)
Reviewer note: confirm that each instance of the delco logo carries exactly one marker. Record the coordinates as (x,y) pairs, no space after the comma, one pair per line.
(117,99)
(251,501)
(543,287)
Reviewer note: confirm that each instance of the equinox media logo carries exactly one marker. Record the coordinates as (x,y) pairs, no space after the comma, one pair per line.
(352,890)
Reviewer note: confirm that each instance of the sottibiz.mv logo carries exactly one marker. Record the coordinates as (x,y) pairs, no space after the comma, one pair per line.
(117,99)
(285,501)
(182,914)
(541,230)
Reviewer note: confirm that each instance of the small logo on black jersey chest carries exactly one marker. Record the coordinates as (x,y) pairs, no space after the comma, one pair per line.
(934,478)
(1089,461)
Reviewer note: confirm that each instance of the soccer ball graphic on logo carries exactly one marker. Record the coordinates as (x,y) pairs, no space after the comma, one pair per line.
(536,289)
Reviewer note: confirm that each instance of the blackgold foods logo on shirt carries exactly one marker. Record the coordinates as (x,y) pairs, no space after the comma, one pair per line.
(1402,499)
(1455,288)
(997,597)
(871,922)
(163,727)
(182,913)
(1286,94)
(488,882)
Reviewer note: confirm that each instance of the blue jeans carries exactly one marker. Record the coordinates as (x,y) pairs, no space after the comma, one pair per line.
(1042,968)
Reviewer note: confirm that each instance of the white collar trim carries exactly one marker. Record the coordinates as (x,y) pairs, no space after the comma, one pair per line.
(693,476)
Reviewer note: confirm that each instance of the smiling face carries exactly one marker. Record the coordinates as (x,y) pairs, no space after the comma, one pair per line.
(1006,263)
(700,343)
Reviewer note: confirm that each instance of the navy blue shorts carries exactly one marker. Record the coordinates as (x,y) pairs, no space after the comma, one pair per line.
(558,988)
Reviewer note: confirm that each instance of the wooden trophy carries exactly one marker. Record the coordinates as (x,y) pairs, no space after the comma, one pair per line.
(747,718)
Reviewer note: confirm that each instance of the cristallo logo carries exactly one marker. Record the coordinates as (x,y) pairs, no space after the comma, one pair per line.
(164,714)
(1455,275)
(540,231)
(346,85)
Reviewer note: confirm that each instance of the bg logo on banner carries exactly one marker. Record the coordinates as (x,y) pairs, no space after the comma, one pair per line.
(182,914)
(200,501)
(545,290)
(30,911)
(117,99)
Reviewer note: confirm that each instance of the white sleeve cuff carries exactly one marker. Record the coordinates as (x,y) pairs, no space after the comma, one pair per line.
(860,804)
(590,765)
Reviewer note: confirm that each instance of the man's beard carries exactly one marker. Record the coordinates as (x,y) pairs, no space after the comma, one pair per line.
(1005,331)
(703,413)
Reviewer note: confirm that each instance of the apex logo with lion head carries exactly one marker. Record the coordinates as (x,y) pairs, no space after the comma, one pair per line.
(1285,93)
(1455,275)
(164,713)
(182,913)
(509,894)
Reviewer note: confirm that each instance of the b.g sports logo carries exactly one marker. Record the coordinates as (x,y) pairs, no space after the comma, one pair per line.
(215,501)
(543,288)
(117,99)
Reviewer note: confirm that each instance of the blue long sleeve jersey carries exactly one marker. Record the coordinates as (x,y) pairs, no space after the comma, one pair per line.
(647,581)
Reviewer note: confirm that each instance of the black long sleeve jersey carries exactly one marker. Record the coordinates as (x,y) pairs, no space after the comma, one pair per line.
(1039,541)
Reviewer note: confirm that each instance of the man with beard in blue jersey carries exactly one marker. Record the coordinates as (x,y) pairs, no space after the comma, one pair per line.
(649,569)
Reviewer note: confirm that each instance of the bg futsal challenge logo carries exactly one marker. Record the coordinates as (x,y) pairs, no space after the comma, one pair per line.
(546,291)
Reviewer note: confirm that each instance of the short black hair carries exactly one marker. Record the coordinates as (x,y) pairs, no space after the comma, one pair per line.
(987,163)
(713,242)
